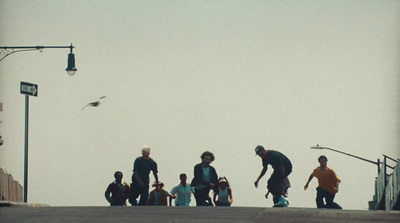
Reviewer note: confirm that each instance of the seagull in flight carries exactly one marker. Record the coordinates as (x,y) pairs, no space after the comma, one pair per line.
(94,104)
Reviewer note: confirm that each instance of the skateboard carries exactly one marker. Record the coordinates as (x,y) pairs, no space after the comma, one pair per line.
(281,205)
(284,192)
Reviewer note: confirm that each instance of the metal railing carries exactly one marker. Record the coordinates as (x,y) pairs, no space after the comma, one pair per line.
(387,187)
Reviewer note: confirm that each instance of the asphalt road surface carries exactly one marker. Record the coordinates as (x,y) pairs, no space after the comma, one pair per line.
(31,214)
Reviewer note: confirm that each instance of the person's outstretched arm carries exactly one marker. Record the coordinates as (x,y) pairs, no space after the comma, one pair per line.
(309,179)
(263,171)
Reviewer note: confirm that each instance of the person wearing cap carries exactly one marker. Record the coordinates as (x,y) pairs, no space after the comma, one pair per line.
(140,177)
(182,192)
(119,191)
(224,193)
(205,178)
(328,184)
(278,182)
(158,196)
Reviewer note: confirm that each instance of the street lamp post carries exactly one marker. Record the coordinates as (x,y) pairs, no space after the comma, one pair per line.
(366,160)
(8,50)
(71,70)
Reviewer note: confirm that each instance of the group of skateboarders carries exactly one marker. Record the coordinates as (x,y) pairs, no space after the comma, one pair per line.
(278,183)
(206,179)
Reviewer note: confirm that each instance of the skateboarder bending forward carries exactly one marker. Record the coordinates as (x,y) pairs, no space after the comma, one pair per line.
(278,183)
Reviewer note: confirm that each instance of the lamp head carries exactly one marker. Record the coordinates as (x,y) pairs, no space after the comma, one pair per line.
(71,69)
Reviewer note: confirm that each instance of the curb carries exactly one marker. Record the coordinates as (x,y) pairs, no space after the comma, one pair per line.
(20,204)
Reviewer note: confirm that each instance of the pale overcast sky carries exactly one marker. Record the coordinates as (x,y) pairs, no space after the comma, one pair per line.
(189,76)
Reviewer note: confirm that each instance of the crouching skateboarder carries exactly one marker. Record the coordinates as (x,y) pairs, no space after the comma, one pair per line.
(278,183)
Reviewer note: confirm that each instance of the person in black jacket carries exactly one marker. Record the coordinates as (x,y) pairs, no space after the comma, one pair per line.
(205,178)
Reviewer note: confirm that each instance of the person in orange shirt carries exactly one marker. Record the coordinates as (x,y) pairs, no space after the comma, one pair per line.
(328,184)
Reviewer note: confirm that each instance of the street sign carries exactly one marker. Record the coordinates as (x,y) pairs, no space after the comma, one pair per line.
(29,89)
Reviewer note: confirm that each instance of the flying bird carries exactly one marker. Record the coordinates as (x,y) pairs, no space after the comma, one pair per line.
(94,104)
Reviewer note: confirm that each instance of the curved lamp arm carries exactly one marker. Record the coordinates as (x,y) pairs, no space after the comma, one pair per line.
(8,50)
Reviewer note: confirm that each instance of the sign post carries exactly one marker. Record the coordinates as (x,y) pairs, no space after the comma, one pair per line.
(27,89)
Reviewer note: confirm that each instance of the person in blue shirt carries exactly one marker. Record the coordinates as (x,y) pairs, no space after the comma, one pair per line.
(182,192)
